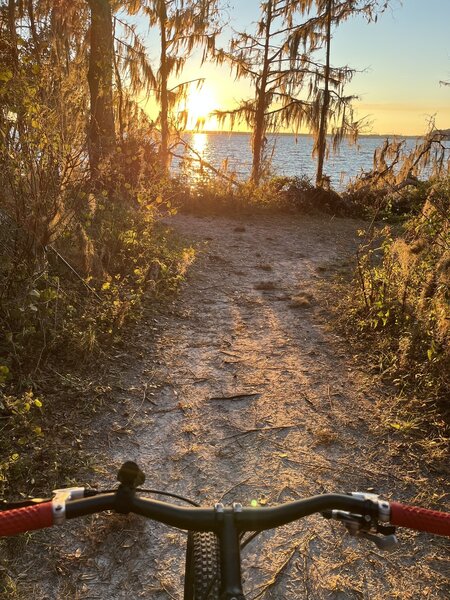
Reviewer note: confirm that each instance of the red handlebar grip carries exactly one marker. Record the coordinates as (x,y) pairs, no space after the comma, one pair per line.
(27,518)
(420,519)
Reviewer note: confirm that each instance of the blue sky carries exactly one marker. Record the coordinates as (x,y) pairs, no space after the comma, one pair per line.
(406,53)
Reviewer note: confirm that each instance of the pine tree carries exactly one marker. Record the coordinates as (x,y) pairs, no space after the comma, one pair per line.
(183,25)
(330,104)
(292,86)
(276,74)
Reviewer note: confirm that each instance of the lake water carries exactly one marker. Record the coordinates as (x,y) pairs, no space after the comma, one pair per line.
(291,155)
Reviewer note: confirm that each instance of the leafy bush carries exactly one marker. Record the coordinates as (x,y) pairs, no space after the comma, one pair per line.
(404,283)
(53,321)
(287,194)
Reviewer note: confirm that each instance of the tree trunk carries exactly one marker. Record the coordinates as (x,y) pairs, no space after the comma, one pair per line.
(164,113)
(13,35)
(119,94)
(34,35)
(260,129)
(101,137)
(321,143)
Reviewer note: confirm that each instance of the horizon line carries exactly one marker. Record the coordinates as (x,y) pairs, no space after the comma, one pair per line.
(362,135)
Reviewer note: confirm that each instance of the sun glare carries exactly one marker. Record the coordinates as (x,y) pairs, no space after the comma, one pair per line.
(200,103)
(199,142)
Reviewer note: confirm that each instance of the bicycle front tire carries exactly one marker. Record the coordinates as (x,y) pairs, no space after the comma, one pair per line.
(202,578)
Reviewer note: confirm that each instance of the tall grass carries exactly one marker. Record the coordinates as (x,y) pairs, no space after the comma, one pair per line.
(403,304)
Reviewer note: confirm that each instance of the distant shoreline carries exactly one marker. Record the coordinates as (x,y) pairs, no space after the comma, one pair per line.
(308,135)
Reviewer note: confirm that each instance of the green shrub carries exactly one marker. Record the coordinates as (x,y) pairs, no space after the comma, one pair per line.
(67,310)
(404,299)
(285,194)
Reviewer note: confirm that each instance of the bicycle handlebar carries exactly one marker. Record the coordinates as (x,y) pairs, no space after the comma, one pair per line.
(27,518)
(421,519)
(208,519)
(46,514)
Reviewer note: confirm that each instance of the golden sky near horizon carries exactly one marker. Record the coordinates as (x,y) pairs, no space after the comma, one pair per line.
(399,118)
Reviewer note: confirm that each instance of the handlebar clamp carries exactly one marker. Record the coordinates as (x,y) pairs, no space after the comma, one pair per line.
(61,496)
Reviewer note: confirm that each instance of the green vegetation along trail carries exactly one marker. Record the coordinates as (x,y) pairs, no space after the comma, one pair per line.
(242,391)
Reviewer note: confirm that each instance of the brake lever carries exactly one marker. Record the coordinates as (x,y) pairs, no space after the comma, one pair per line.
(383,542)
(358,526)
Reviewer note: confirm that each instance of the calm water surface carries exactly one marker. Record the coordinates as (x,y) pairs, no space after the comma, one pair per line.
(290,155)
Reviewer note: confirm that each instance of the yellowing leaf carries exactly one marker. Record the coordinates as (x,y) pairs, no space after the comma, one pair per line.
(4,372)
(6,75)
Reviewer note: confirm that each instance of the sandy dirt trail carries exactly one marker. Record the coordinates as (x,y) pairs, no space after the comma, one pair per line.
(249,394)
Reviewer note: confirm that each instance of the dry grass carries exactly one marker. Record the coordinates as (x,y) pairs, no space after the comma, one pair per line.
(302,301)
(325,436)
(265,267)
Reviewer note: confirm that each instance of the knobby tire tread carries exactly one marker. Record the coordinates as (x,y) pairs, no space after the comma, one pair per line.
(203,567)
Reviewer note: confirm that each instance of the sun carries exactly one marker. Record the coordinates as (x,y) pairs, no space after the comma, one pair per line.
(199,104)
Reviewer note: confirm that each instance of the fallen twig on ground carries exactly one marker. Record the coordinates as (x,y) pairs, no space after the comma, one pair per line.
(236,396)
(140,406)
(279,572)
(233,354)
(259,430)
(233,488)
(145,396)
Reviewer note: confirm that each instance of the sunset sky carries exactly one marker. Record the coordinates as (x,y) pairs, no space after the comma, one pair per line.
(404,57)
